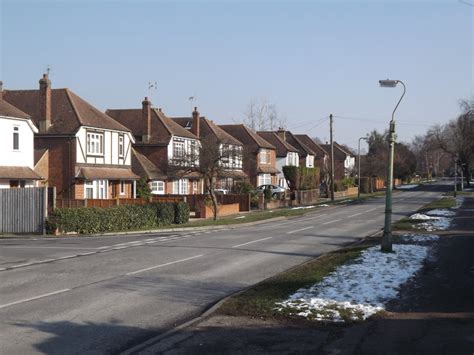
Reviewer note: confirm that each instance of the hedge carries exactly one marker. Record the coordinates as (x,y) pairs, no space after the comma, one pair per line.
(88,220)
(302,178)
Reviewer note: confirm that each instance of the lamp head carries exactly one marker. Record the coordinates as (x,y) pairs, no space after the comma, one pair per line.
(387,83)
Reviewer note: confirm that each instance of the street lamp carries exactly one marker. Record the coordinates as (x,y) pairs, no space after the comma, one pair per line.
(387,230)
(358,170)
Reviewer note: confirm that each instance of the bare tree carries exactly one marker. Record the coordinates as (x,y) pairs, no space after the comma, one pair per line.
(457,137)
(211,160)
(262,115)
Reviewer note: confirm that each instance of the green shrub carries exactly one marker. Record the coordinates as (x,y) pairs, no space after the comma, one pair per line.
(364,185)
(181,213)
(243,187)
(89,220)
(268,194)
(302,178)
(339,186)
(292,176)
(143,189)
(348,182)
(165,213)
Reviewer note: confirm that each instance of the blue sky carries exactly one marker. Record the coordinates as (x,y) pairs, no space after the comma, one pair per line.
(309,58)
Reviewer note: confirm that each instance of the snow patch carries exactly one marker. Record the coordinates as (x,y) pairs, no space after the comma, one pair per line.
(302,207)
(405,187)
(421,216)
(441,212)
(361,288)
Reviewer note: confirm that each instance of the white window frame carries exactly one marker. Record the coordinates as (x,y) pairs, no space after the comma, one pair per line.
(16,138)
(264,179)
(122,188)
(157,187)
(99,188)
(121,146)
(95,143)
(264,156)
(179,148)
(310,161)
(89,185)
(181,187)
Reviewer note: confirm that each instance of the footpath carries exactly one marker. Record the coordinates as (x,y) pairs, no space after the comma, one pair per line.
(434,314)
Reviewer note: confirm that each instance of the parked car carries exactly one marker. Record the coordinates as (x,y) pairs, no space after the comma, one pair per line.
(275,189)
(221,191)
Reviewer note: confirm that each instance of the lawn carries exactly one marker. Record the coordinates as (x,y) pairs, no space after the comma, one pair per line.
(260,300)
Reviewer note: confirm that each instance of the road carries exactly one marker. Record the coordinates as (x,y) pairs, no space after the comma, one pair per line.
(106,294)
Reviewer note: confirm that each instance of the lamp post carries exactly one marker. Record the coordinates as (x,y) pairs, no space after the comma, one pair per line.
(387,230)
(358,169)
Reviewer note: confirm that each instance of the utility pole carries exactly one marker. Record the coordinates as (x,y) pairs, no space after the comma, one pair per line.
(455,176)
(332,156)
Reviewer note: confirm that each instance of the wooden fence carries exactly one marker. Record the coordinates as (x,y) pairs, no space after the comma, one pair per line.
(23,210)
(195,201)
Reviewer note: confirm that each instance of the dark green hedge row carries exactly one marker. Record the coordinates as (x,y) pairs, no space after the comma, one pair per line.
(89,220)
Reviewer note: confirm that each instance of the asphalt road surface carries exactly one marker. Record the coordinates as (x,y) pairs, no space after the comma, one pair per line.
(90,295)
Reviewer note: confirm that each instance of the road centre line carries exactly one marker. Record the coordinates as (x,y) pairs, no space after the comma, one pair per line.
(254,241)
(336,220)
(372,209)
(299,230)
(34,298)
(355,214)
(43,247)
(162,265)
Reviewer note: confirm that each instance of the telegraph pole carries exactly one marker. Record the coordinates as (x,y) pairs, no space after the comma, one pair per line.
(332,156)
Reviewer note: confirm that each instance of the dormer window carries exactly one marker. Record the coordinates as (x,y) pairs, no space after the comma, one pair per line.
(95,143)
(189,125)
(178,148)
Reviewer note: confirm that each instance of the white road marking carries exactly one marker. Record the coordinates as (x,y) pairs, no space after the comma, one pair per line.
(162,265)
(355,214)
(336,220)
(373,209)
(34,298)
(254,241)
(52,247)
(299,230)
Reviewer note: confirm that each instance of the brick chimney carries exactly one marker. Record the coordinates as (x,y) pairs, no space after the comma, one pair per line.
(44,103)
(196,127)
(1,90)
(146,116)
(281,133)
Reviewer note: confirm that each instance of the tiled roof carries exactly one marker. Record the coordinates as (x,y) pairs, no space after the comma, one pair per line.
(9,110)
(39,154)
(208,127)
(143,167)
(93,173)
(162,127)
(315,147)
(247,136)
(303,149)
(339,153)
(282,147)
(18,173)
(68,111)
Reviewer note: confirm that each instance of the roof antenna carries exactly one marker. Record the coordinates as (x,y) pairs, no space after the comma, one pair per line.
(48,69)
(191,101)
(152,86)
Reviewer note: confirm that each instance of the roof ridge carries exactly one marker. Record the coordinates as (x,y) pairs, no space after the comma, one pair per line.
(76,111)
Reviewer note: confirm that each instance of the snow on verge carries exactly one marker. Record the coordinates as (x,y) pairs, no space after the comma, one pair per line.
(432,223)
(357,290)
(405,187)
(441,212)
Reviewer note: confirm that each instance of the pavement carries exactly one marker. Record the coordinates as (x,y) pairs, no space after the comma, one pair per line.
(433,314)
(111,294)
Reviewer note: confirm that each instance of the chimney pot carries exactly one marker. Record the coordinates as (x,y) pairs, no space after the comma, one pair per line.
(196,127)
(146,116)
(281,133)
(44,103)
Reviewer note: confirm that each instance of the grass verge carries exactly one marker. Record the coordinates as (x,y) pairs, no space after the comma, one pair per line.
(407,224)
(259,300)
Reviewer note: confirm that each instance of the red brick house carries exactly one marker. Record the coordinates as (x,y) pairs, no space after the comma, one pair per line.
(306,154)
(160,141)
(89,154)
(259,157)
(321,158)
(207,131)
(344,161)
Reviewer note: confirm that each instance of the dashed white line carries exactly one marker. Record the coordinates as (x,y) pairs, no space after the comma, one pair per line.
(355,214)
(34,298)
(299,230)
(162,265)
(253,241)
(372,209)
(336,220)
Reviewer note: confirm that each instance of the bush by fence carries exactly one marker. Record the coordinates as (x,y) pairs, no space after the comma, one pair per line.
(87,220)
